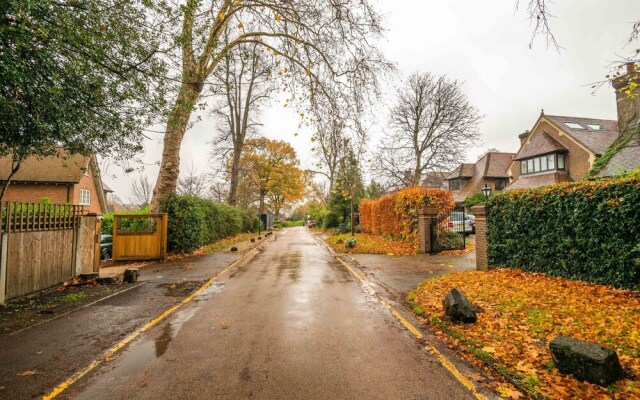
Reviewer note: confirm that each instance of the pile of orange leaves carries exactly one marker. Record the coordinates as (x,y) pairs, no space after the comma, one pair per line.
(520,313)
(371,244)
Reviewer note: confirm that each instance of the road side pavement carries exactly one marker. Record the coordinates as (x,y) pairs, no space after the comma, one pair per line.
(34,361)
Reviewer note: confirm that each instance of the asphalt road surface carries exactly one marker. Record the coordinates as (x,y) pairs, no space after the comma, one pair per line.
(288,322)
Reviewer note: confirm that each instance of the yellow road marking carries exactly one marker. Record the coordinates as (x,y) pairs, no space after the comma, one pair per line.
(109,353)
(432,350)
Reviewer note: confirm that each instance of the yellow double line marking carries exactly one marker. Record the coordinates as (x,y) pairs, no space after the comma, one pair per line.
(432,350)
(107,355)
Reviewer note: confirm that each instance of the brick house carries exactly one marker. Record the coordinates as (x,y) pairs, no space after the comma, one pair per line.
(469,178)
(560,149)
(63,179)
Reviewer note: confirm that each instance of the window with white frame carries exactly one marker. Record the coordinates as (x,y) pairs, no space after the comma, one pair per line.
(85,197)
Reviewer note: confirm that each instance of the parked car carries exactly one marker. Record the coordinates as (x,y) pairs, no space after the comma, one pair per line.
(461,222)
(311,223)
(106,242)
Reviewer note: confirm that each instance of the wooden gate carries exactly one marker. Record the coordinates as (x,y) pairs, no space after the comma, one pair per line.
(139,237)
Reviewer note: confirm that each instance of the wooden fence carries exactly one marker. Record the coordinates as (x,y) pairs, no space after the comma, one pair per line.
(139,237)
(43,245)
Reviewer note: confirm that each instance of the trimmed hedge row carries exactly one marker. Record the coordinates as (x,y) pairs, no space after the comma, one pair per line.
(195,222)
(586,230)
(396,214)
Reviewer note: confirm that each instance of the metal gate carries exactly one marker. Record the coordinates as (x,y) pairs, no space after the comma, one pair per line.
(448,231)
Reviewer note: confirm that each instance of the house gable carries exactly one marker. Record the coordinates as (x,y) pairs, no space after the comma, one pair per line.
(581,157)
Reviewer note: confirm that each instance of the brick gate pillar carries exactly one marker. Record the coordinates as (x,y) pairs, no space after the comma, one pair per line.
(425,217)
(482,257)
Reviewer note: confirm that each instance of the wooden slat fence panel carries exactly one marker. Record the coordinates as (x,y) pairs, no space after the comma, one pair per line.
(41,245)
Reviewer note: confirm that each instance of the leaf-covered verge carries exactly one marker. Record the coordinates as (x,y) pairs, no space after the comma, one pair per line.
(521,312)
(585,230)
(371,244)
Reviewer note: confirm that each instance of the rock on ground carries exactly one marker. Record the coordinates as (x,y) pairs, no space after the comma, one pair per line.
(458,308)
(585,360)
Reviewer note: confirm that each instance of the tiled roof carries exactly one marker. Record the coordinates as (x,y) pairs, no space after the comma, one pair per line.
(497,165)
(491,165)
(627,159)
(540,144)
(60,169)
(463,171)
(533,181)
(596,140)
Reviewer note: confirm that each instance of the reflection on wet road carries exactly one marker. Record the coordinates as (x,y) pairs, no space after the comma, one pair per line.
(288,323)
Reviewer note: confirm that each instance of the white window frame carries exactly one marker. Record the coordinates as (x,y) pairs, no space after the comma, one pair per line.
(85,197)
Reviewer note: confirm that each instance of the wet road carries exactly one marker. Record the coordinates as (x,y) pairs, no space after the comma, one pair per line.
(287,323)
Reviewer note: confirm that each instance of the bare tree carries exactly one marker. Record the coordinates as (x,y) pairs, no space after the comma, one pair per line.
(330,147)
(245,78)
(192,183)
(431,125)
(218,191)
(141,191)
(324,48)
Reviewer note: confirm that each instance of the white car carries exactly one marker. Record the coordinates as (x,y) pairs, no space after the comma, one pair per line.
(461,222)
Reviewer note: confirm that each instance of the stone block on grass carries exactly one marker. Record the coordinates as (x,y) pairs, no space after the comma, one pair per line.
(586,361)
(458,308)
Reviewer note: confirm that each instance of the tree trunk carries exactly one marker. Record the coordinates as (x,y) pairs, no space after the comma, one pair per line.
(235,175)
(176,128)
(15,166)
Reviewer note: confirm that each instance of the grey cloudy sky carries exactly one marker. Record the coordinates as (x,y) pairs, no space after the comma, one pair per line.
(486,45)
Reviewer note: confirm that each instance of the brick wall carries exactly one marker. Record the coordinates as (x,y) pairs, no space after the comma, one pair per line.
(87,182)
(33,193)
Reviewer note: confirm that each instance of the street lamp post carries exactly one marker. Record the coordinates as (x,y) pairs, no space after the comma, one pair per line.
(486,191)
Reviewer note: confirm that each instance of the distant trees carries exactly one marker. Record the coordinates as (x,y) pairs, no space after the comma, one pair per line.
(323,48)
(270,171)
(141,191)
(431,124)
(244,78)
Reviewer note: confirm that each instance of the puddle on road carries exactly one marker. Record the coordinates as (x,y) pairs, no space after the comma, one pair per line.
(215,288)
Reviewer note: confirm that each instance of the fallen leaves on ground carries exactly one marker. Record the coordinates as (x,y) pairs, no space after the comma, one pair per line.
(520,313)
(470,247)
(371,244)
(29,372)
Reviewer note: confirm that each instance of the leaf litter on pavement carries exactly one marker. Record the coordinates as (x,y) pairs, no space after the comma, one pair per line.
(520,313)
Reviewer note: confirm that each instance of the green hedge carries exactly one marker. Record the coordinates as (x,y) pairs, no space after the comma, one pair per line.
(586,230)
(107,220)
(290,224)
(195,222)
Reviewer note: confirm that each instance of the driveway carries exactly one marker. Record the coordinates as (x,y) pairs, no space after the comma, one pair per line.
(404,273)
(289,322)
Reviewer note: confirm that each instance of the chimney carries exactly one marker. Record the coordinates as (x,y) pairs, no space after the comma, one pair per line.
(523,137)
(628,97)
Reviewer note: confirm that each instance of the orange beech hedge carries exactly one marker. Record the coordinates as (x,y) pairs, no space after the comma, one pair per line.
(396,214)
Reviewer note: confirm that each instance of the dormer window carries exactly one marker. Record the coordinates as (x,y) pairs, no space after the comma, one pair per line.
(543,163)
(574,125)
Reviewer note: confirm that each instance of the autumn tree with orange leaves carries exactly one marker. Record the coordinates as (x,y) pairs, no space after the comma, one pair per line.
(270,172)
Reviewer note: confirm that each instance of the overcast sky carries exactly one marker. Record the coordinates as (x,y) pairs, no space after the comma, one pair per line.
(484,44)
